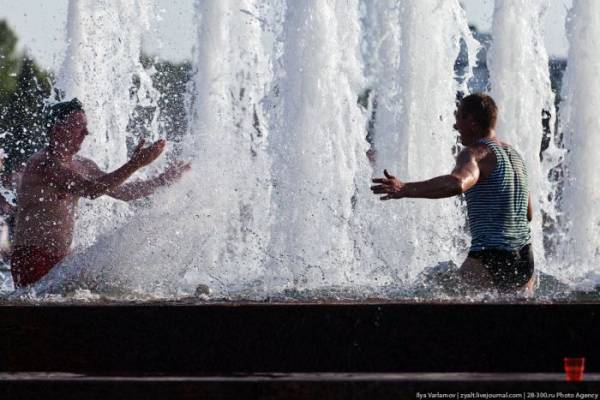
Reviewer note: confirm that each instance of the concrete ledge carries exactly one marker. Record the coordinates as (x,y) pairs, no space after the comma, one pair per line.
(225,339)
(295,386)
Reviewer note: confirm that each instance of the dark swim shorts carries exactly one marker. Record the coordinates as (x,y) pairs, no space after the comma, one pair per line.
(509,269)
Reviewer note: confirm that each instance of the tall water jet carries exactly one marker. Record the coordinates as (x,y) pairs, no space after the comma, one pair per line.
(520,82)
(381,55)
(317,140)
(229,135)
(278,195)
(213,228)
(579,124)
(102,68)
(415,92)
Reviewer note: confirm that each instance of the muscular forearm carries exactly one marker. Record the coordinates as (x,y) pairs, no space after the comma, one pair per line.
(104,184)
(136,190)
(436,188)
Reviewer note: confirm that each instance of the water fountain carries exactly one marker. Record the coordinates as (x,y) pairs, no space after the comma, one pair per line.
(256,114)
(272,171)
(277,207)
(578,122)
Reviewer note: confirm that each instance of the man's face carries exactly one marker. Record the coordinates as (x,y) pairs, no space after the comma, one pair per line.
(463,125)
(69,134)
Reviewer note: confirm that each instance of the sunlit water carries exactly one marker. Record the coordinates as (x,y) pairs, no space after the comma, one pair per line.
(277,204)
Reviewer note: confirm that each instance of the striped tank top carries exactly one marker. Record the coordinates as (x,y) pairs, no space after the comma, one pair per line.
(497,205)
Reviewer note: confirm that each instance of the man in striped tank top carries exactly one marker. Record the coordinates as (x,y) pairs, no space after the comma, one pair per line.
(493,178)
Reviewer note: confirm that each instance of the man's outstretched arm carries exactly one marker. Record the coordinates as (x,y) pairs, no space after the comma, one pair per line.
(71,181)
(141,188)
(463,177)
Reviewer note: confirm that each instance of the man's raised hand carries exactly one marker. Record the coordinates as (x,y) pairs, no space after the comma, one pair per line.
(390,187)
(173,172)
(143,156)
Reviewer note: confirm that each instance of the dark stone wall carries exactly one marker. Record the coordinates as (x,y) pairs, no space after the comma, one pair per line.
(249,338)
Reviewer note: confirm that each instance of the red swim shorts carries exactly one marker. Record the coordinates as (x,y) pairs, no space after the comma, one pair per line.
(30,264)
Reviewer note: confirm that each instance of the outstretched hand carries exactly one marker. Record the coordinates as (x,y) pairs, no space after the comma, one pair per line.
(390,187)
(143,156)
(174,172)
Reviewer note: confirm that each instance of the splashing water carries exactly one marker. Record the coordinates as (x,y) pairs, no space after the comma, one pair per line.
(316,152)
(415,91)
(102,68)
(579,124)
(277,200)
(213,228)
(229,138)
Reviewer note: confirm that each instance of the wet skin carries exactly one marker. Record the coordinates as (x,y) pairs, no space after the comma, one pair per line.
(55,178)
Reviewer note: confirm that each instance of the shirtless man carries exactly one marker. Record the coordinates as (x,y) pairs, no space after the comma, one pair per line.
(55,178)
(493,178)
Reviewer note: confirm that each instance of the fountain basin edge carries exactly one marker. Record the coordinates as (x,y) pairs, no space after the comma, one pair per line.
(249,338)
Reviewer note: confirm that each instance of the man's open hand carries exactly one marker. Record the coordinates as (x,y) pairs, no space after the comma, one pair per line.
(390,187)
(174,171)
(143,156)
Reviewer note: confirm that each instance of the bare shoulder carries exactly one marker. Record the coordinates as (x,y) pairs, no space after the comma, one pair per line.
(472,154)
(479,151)
(36,163)
(86,166)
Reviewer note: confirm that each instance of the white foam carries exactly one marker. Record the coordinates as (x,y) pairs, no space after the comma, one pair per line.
(580,124)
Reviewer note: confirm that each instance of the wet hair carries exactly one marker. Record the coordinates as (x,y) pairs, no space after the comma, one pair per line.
(482,107)
(59,112)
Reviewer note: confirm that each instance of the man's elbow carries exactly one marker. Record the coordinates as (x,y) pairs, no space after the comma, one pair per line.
(464,183)
(456,185)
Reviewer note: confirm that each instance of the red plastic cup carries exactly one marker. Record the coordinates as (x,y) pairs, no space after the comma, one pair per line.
(574,367)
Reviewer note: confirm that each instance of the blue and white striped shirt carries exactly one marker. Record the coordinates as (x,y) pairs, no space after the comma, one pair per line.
(497,205)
